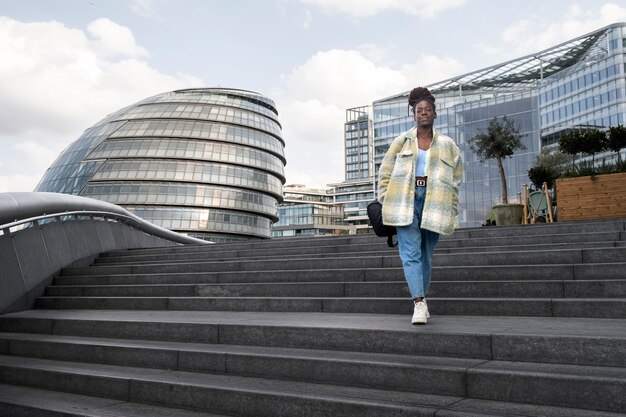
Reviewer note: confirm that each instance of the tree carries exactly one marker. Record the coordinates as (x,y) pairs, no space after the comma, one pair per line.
(549,165)
(571,143)
(593,141)
(540,174)
(500,141)
(553,158)
(616,140)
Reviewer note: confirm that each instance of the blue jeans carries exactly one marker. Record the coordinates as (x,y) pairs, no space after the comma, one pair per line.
(416,247)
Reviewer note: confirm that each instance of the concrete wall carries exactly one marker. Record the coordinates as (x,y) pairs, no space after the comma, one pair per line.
(30,258)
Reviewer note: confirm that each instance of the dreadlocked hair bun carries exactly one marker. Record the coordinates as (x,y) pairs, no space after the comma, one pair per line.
(418,94)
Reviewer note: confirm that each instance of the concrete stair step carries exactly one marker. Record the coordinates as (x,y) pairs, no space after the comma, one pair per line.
(551,238)
(228,256)
(573,256)
(485,408)
(457,258)
(565,228)
(411,373)
(320,275)
(217,393)
(543,229)
(538,307)
(483,289)
(535,383)
(534,247)
(300,254)
(222,251)
(21,401)
(599,271)
(580,341)
(596,388)
(533,271)
(495,380)
(521,243)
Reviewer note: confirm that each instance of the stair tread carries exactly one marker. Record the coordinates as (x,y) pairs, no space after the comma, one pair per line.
(480,365)
(273,387)
(230,382)
(487,257)
(553,369)
(482,325)
(296,283)
(267,351)
(403,298)
(304,251)
(471,407)
(67,404)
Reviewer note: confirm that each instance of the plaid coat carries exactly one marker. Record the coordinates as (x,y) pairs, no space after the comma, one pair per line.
(396,183)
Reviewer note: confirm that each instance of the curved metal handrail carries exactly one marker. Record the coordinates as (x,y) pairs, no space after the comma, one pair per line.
(22,208)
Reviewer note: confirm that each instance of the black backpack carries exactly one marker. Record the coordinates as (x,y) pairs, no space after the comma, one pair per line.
(375,214)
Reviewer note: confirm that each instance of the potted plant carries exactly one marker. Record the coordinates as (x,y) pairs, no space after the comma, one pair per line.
(587,191)
(500,141)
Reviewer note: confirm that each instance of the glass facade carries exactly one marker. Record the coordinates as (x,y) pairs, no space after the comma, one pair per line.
(357,189)
(354,196)
(358,143)
(575,85)
(308,211)
(206,162)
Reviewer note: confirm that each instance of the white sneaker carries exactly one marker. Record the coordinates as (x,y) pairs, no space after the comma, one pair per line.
(426,304)
(420,313)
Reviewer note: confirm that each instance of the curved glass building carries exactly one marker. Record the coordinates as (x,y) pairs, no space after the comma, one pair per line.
(206,162)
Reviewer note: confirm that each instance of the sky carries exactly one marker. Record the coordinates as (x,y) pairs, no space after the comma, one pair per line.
(66,64)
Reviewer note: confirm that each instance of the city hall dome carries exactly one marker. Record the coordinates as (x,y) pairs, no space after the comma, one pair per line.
(206,162)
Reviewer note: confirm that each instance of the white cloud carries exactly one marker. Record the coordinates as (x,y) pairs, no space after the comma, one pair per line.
(143,8)
(18,183)
(35,151)
(538,33)
(425,9)
(27,154)
(57,81)
(376,54)
(114,39)
(314,98)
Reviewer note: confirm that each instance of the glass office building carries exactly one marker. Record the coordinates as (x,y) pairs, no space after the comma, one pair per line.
(206,162)
(358,145)
(578,84)
(353,196)
(308,212)
(358,187)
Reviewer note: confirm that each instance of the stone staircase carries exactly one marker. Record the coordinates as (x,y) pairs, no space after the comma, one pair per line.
(526,321)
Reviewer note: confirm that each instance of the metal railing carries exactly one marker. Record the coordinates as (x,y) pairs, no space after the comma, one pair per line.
(41,233)
(23,208)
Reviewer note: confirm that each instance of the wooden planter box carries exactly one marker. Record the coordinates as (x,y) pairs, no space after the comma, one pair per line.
(588,198)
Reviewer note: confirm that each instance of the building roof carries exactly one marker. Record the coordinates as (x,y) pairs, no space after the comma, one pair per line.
(525,72)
